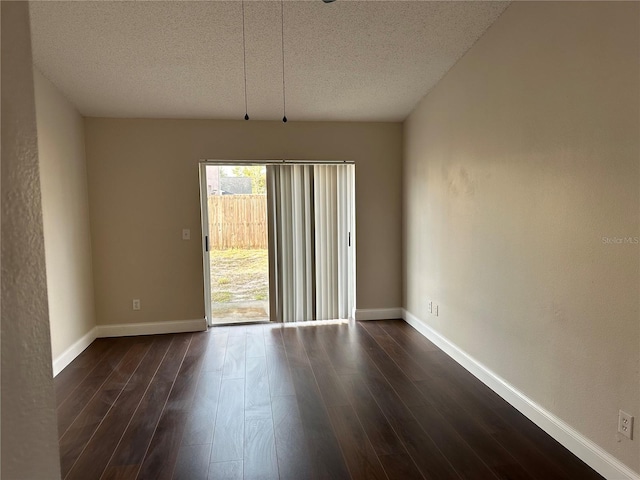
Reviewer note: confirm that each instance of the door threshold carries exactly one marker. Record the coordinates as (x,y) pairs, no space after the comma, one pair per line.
(227,323)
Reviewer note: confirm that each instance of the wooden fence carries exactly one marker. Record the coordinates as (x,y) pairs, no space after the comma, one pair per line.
(237,221)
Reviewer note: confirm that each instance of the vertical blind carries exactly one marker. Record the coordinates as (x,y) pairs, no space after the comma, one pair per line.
(311,218)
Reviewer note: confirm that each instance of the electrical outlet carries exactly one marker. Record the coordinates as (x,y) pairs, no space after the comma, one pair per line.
(430,307)
(435,310)
(186,234)
(625,424)
(136,304)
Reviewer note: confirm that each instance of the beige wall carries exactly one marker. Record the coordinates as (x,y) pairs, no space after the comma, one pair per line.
(143,190)
(29,433)
(65,215)
(516,166)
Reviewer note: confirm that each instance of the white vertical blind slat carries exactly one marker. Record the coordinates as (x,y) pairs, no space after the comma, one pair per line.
(314,215)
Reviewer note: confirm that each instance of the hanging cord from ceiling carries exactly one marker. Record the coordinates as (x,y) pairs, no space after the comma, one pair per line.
(244,64)
(284,96)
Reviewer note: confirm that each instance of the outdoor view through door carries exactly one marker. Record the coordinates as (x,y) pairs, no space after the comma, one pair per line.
(278,241)
(237,241)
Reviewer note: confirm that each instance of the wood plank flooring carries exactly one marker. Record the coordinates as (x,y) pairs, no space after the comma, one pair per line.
(370,400)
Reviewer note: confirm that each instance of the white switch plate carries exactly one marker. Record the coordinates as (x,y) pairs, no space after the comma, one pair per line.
(136,304)
(625,424)
(430,307)
(186,234)
(435,310)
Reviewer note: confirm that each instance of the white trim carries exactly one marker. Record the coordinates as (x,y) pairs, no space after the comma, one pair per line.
(151,328)
(66,357)
(590,453)
(204,234)
(377,313)
(123,330)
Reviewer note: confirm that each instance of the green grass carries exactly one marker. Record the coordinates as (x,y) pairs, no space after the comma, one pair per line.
(244,274)
(222,297)
(260,296)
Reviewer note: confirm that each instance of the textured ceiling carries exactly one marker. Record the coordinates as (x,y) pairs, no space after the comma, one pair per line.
(349,60)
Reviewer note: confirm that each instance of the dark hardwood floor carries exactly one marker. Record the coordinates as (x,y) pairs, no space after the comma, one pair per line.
(366,400)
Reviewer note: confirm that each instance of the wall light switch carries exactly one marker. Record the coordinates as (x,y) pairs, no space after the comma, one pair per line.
(430,307)
(186,234)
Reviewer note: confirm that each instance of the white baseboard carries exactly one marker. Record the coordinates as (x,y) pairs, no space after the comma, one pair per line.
(151,328)
(378,313)
(601,461)
(66,357)
(124,330)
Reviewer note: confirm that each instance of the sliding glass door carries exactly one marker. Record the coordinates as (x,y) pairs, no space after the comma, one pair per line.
(310,237)
(235,243)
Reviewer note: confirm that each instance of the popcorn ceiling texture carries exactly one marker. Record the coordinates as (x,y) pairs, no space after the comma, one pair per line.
(184,59)
(29,431)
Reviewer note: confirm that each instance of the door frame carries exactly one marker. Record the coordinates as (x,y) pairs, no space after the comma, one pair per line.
(204,225)
(204,231)
(204,222)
